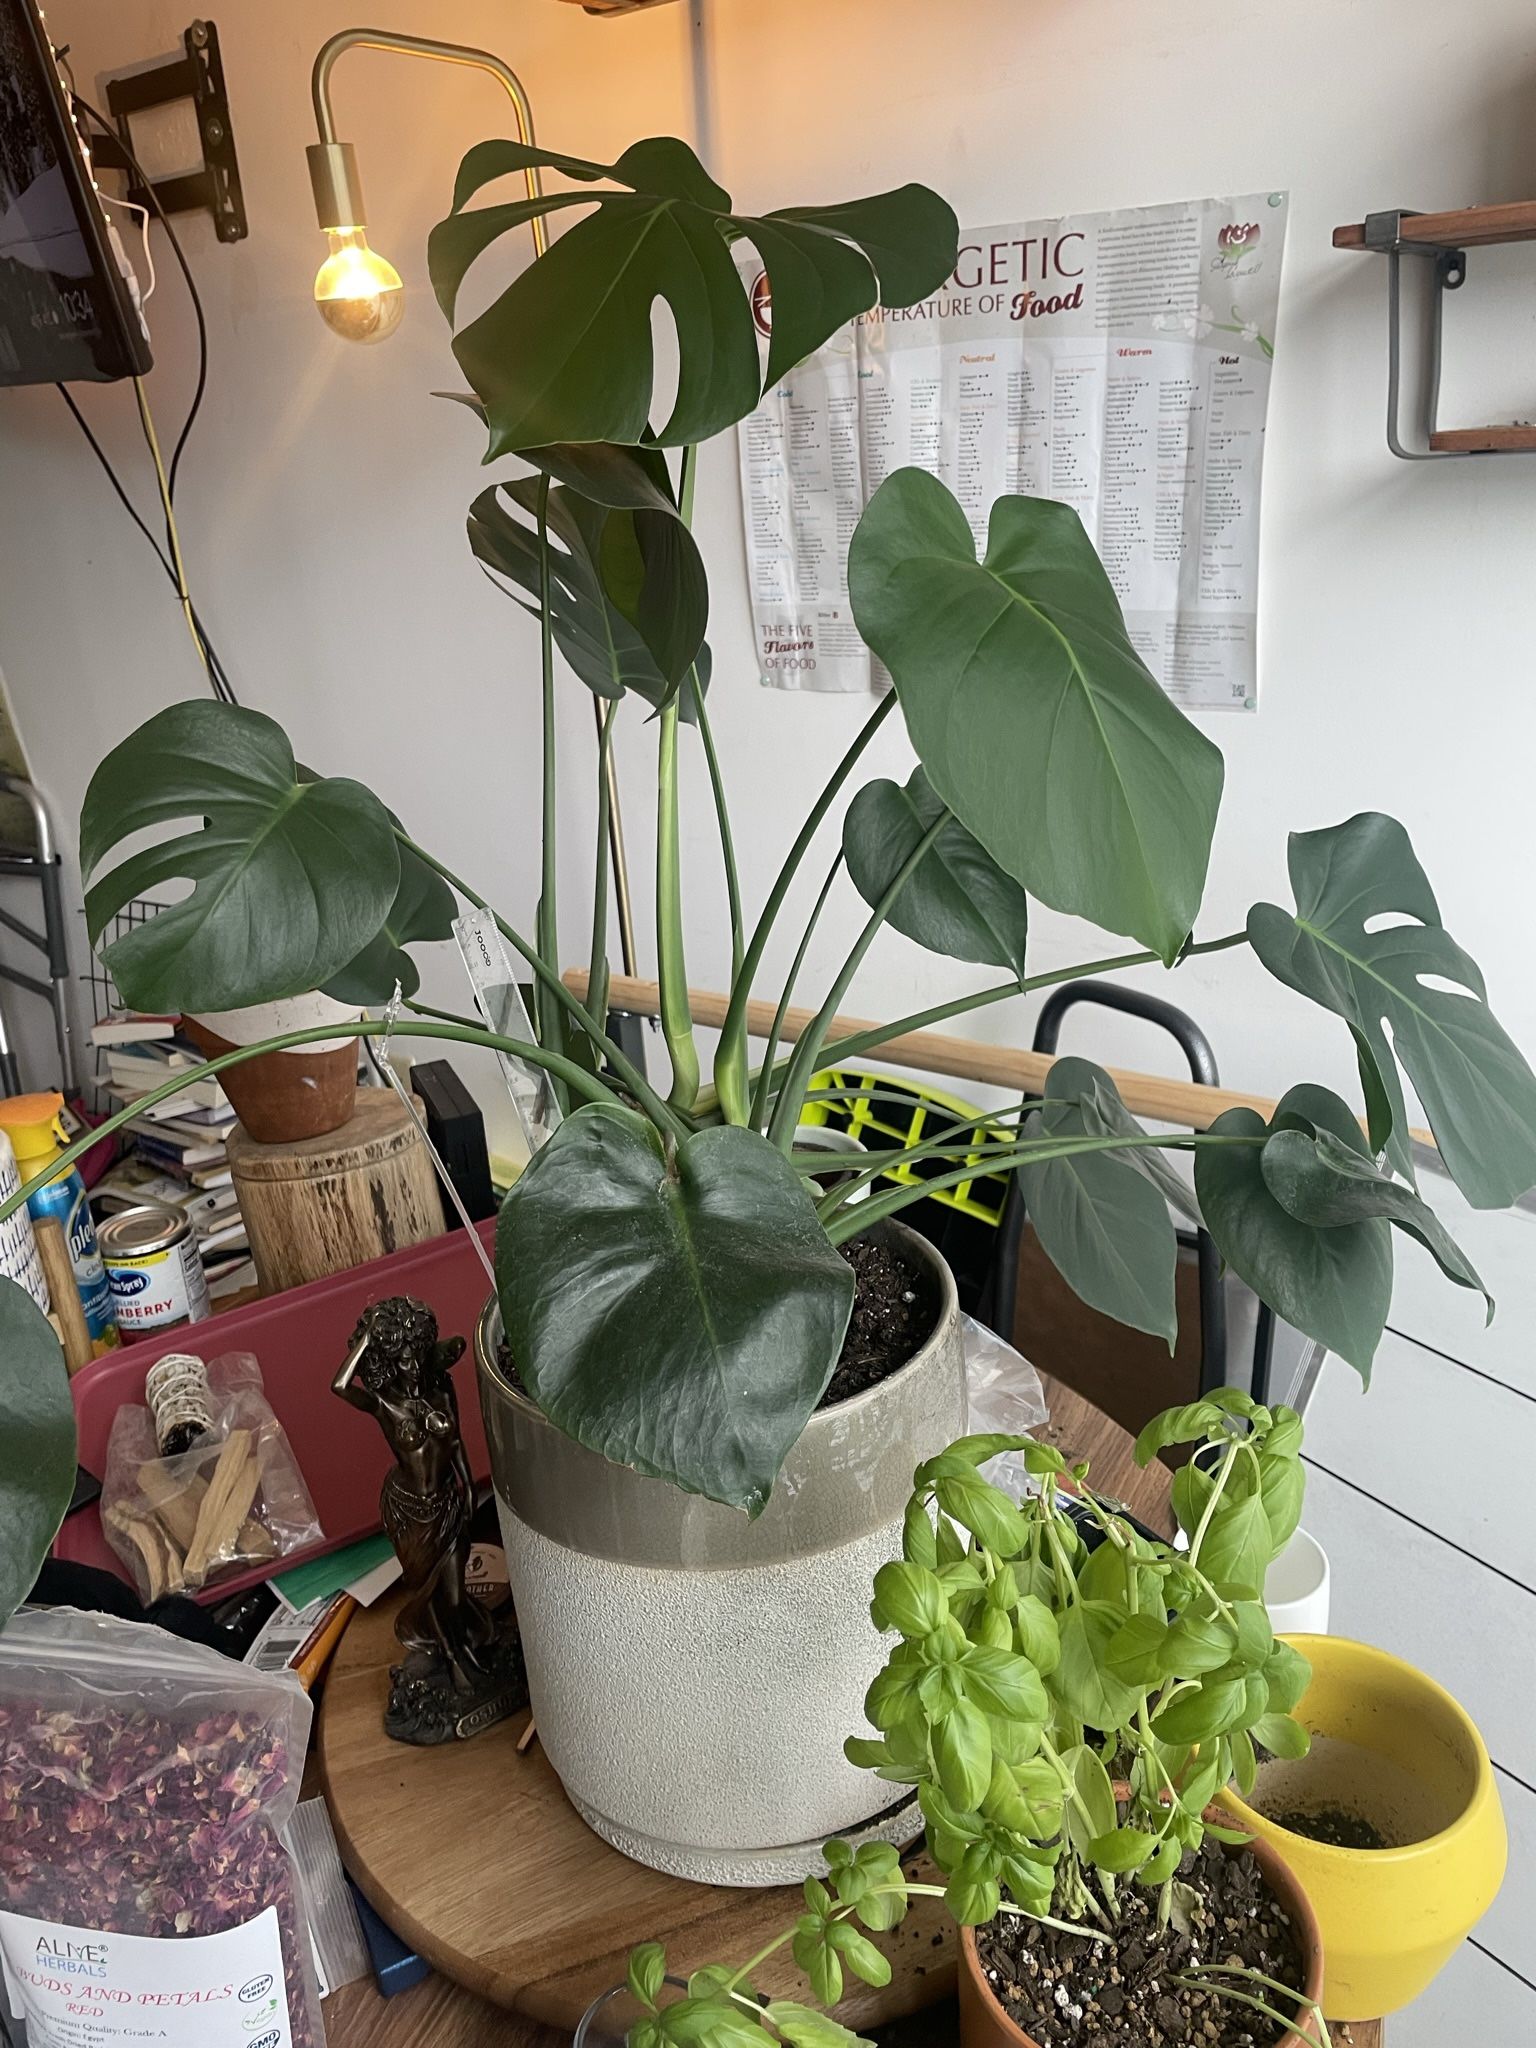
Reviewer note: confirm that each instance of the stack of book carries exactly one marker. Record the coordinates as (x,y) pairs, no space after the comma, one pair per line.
(177,1152)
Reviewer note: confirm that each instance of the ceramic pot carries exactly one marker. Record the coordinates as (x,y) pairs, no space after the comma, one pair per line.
(694,1674)
(985,2024)
(1392,1746)
(283,1096)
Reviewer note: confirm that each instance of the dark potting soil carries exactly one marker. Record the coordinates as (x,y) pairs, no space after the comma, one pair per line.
(1332,1824)
(1068,1992)
(889,1322)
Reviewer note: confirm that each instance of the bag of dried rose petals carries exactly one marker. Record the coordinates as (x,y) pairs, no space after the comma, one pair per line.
(145,1891)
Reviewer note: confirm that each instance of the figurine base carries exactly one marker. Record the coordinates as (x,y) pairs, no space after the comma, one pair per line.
(426,1707)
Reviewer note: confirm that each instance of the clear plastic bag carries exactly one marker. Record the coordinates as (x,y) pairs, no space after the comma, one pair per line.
(145,1891)
(1003,1393)
(235,1499)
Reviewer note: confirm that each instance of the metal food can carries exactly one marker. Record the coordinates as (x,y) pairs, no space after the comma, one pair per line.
(153,1269)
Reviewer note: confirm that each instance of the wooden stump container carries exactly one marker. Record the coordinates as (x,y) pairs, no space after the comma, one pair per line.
(319,1205)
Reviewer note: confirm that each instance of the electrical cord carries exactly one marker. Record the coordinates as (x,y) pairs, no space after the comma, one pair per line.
(177,251)
(220,678)
(171,561)
(147,422)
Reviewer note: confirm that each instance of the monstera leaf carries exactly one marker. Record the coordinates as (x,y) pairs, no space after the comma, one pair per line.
(1102,1217)
(677,1310)
(1035,718)
(565,352)
(37,1443)
(957,901)
(628,596)
(1477,1090)
(1332,1282)
(424,908)
(290,878)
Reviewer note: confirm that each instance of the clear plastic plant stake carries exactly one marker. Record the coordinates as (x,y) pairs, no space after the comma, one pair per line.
(500,1002)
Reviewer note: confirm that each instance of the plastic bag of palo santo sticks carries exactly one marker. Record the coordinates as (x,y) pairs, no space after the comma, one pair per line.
(202,1483)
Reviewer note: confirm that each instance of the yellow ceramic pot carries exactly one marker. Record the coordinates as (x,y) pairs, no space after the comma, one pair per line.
(1393,1747)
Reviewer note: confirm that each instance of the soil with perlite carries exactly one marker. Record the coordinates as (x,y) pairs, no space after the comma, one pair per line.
(1068,1992)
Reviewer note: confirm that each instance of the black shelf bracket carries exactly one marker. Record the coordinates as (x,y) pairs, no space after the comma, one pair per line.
(197,76)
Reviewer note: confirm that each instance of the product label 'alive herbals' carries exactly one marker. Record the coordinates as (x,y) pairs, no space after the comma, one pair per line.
(80,1989)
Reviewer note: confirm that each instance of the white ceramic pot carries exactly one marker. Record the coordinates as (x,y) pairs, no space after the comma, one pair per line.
(694,1674)
(1296,1588)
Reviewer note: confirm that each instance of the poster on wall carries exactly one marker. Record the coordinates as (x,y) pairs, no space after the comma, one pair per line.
(1118,361)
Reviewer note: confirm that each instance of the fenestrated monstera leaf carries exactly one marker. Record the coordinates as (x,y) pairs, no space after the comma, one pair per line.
(291,878)
(424,908)
(1333,1283)
(37,1443)
(957,901)
(1035,718)
(1102,1217)
(565,352)
(628,595)
(698,1309)
(1478,1092)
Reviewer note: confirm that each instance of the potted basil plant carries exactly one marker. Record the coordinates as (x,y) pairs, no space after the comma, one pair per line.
(676,1295)
(1067,1710)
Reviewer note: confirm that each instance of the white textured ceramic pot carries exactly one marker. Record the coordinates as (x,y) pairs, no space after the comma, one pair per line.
(694,1674)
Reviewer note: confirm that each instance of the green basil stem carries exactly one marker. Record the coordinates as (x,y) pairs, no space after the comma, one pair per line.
(731,1051)
(665,1118)
(863,1215)
(1205,1981)
(842,1050)
(576,1078)
(806,1056)
(760,1095)
(547,923)
(671,964)
(597,969)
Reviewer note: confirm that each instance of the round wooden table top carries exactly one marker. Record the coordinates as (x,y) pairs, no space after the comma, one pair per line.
(473,1855)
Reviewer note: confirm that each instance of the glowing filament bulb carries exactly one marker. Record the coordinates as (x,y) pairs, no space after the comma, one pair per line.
(359,294)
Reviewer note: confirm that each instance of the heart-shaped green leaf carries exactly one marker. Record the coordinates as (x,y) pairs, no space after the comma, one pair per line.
(291,878)
(1035,718)
(1101,1221)
(565,352)
(424,909)
(37,1443)
(1476,1087)
(957,901)
(1319,1179)
(1333,1284)
(699,1307)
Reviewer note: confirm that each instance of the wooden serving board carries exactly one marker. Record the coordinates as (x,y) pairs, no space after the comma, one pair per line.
(472,1853)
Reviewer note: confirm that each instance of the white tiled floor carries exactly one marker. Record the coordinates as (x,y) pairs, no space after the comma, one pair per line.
(1423,1492)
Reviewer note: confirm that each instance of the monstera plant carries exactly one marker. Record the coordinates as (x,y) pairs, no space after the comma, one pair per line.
(690,1325)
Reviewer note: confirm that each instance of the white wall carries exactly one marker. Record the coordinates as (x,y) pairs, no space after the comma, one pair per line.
(325,490)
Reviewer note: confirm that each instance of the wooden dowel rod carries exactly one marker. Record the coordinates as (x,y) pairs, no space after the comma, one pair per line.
(1018,1071)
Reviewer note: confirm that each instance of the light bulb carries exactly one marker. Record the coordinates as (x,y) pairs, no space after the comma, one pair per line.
(359,294)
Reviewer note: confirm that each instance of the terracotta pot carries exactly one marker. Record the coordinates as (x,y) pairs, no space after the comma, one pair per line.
(984,2023)
(283,1096)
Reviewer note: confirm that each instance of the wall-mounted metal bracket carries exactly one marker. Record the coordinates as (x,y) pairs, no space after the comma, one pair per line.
(198,76)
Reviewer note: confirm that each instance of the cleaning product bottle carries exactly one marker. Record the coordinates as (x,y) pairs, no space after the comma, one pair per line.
(31,1122)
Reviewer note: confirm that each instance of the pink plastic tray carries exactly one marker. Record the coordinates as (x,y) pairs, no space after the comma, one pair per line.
(299,1339)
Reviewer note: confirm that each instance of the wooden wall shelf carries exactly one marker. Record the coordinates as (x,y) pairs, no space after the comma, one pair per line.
(1441,240)
(1468,227)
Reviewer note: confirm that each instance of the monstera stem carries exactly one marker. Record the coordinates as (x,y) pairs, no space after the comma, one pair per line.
(761,1094)
(597,970)
(803,1061)
(671,964)
(576,1078)
(547,923)
(731,1068)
